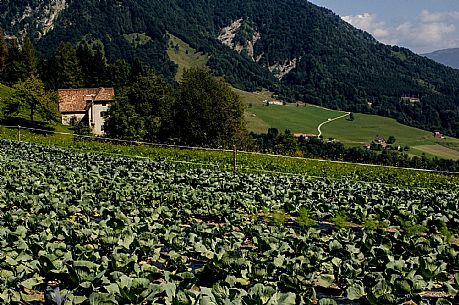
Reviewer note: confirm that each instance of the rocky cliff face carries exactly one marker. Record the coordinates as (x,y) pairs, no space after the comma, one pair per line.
(240,36)
(36,17)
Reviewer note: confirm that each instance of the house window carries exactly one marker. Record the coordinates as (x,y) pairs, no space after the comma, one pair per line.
(103,114)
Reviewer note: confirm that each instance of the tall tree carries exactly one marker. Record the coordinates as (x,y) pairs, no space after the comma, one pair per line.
(118,73)
(15,70)
(64,69)
(137,69)
(93,65)
(3,53)
(84,56)
(17,64)
(28,57)
(209,112)
(99,68)
(123,121)
(145,112)
(31,95)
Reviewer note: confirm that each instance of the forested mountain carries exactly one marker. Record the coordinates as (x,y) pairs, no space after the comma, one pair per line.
(297,49)
(448,57)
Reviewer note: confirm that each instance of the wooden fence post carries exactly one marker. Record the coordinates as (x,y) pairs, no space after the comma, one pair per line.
(234,158)
(19,133)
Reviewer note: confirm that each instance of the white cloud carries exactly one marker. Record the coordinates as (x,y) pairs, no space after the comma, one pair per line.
(423,33)
(368,22)
(430,30)
(427,16)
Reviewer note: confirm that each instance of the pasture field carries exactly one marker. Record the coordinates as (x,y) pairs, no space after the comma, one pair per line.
(439,151)
(298,119)
(184,56)
(93,229)
(364,129)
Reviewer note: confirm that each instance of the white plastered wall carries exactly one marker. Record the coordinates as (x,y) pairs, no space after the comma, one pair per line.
(67,118)
(96,119)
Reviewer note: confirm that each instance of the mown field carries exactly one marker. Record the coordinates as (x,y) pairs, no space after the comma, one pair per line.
(363,130)
(298,119)
(366,127)
(94,229)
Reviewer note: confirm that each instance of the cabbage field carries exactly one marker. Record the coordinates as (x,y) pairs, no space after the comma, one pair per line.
(80,228)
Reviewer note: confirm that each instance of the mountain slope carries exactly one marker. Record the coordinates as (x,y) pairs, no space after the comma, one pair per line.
(292,47)
(448,57)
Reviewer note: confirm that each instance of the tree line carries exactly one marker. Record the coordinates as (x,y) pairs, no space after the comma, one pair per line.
(286,144)
(68,67)
(201,110)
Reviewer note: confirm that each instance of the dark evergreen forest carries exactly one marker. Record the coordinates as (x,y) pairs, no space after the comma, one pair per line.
(338,66)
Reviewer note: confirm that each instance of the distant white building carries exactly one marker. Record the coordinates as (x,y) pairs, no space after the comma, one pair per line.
(273,102)
(306,136)
(410,99)
(89,105)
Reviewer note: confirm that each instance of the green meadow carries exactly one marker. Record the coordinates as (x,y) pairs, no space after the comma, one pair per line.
(365,128)
(298,119)
(362,130)
(184,56)
(5,92)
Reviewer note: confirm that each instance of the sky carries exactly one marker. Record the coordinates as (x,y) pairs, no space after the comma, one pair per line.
(420,25)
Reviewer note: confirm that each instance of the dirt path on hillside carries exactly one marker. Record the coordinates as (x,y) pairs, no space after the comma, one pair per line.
(329,121)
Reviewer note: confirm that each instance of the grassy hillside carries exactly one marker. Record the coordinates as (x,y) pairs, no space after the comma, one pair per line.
(184,56)
(306,118)
(366,127)
(23,116)
(361,131)
(5,92)
(303,119)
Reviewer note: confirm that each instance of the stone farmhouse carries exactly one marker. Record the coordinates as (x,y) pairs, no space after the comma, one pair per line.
(87,105)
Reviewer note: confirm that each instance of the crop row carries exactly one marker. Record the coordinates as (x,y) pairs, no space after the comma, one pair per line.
(90,229)
(247,162)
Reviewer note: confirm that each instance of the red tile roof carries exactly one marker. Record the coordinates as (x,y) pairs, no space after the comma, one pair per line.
(75,100)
